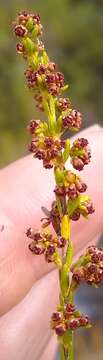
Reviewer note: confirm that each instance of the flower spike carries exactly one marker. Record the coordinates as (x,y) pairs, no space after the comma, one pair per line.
(50,144)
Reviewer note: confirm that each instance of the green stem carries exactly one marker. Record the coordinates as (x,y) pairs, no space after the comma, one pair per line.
(49,108)
(71,350)
(67,353)
(66,349)
(62,354)
(64,280)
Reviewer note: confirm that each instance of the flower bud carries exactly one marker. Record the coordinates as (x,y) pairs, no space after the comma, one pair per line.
(73,324)
(84,321)
(20,48)
(63,104)
(30,233)
(33,124)
(60,329)
(56,317)
(67,122)
(80,153)
(76,215)
(61,242)
(40,154)
(20,31)
(49,253)
(77,163)
(36,249)
(60,190)
(32,146)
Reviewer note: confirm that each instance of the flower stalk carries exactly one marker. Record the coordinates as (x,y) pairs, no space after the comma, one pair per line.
(48,144)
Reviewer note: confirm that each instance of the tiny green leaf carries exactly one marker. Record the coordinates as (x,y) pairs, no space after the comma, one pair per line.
(59,176)
(59,124)
(65,227)
(64,88)
(29,44)
(30,24)
(34,32)
(66,152)
(84,198)
(45,58)
(72,205)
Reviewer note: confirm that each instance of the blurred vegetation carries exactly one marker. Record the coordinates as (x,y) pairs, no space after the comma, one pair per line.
(74,33)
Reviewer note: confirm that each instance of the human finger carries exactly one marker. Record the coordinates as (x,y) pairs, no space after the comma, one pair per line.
(23,208)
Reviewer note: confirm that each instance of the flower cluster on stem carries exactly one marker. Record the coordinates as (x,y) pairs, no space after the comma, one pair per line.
(49,145)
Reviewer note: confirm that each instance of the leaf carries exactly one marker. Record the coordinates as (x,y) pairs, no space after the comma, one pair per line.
(34,33)
(30,24)
(72,205)
(46,107)
(52,105)
(57,260)
(29,44)
(77,313)
(59,124)
(64,88)
(59,206)
(45,128)
(59,176)
(67,337)
(84,198)
(45,58)
(65,227)
(64,281)
(88,326)
(69,255)
(66,152)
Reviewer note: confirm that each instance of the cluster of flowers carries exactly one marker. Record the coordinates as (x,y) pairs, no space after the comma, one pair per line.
(80,153)
(69,318)
(91,268)
(45,77)
(72,120)
(42,74)
(71,190)
(45,243)
(47,145)
(49,150)
(43,147)
(84,209)
(26,23)
(74,186)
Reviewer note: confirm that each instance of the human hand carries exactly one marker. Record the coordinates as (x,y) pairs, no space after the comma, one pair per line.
(28,285)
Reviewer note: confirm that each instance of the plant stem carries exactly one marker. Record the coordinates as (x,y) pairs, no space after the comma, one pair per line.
(71,352)
(67,354)
(62,354)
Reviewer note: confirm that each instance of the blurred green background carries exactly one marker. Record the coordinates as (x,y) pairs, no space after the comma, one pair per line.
(74,38)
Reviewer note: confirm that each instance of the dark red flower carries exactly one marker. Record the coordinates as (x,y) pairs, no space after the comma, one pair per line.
(33,124)
(20,30)
(37,249)
(74,324)
(60,329)
(20,48)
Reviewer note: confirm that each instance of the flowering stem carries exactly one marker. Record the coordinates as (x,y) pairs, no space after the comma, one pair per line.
(49,145)
(71,350)
(66,348)
(62,354)
(64,279)
(66,351)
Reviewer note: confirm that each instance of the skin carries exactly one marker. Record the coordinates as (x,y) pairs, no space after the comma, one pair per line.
(28,285)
